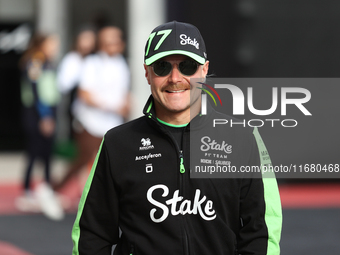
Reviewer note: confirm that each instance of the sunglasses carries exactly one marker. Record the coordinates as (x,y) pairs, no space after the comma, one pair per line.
(187,67)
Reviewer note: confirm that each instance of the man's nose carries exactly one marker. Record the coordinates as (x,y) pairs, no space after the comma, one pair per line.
(175,75)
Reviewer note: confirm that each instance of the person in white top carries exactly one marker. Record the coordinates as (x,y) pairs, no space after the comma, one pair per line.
(69,71)
(103,98)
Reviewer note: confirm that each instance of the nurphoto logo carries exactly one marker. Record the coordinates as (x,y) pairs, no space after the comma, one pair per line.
(295,96)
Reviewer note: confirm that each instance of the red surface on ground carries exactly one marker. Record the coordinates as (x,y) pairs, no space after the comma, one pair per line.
(9,249)
(8,193)
(310,195)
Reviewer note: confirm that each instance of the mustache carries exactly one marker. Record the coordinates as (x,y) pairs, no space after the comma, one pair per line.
(177,87)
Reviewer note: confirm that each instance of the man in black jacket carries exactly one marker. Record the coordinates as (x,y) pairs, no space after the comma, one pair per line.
(140,182)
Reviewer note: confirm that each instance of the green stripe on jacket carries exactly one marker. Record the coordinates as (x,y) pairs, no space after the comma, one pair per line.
(273,214)
(76,227)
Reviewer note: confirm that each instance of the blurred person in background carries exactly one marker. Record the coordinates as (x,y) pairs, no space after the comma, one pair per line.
(69,71)
(39,97)
(103,97)
(68,78)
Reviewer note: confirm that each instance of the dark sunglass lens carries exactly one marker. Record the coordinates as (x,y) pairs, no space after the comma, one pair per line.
(188,67)
(162,68)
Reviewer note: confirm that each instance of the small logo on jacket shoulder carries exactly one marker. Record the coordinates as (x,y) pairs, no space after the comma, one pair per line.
(146,142)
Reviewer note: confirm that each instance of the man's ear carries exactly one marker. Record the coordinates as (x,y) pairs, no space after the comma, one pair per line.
(205,68)
(146,68)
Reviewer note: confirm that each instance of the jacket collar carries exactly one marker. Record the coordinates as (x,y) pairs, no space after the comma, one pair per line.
(149,108)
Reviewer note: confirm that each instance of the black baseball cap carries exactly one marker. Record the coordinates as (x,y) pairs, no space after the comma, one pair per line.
(175,38)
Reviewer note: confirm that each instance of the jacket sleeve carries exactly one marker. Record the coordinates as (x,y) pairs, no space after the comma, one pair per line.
(260,208)
(96,226)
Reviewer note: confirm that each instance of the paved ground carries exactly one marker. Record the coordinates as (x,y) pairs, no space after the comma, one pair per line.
(36,234)
(311,232)
(311,217)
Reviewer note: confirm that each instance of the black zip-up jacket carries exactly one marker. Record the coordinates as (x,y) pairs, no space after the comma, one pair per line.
(140,183)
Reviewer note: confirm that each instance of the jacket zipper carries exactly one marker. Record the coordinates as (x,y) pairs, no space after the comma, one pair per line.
(181,186)
(181,164)
(181,176)
(182,171)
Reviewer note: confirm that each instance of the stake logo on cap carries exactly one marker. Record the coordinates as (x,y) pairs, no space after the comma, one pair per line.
(175,38)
